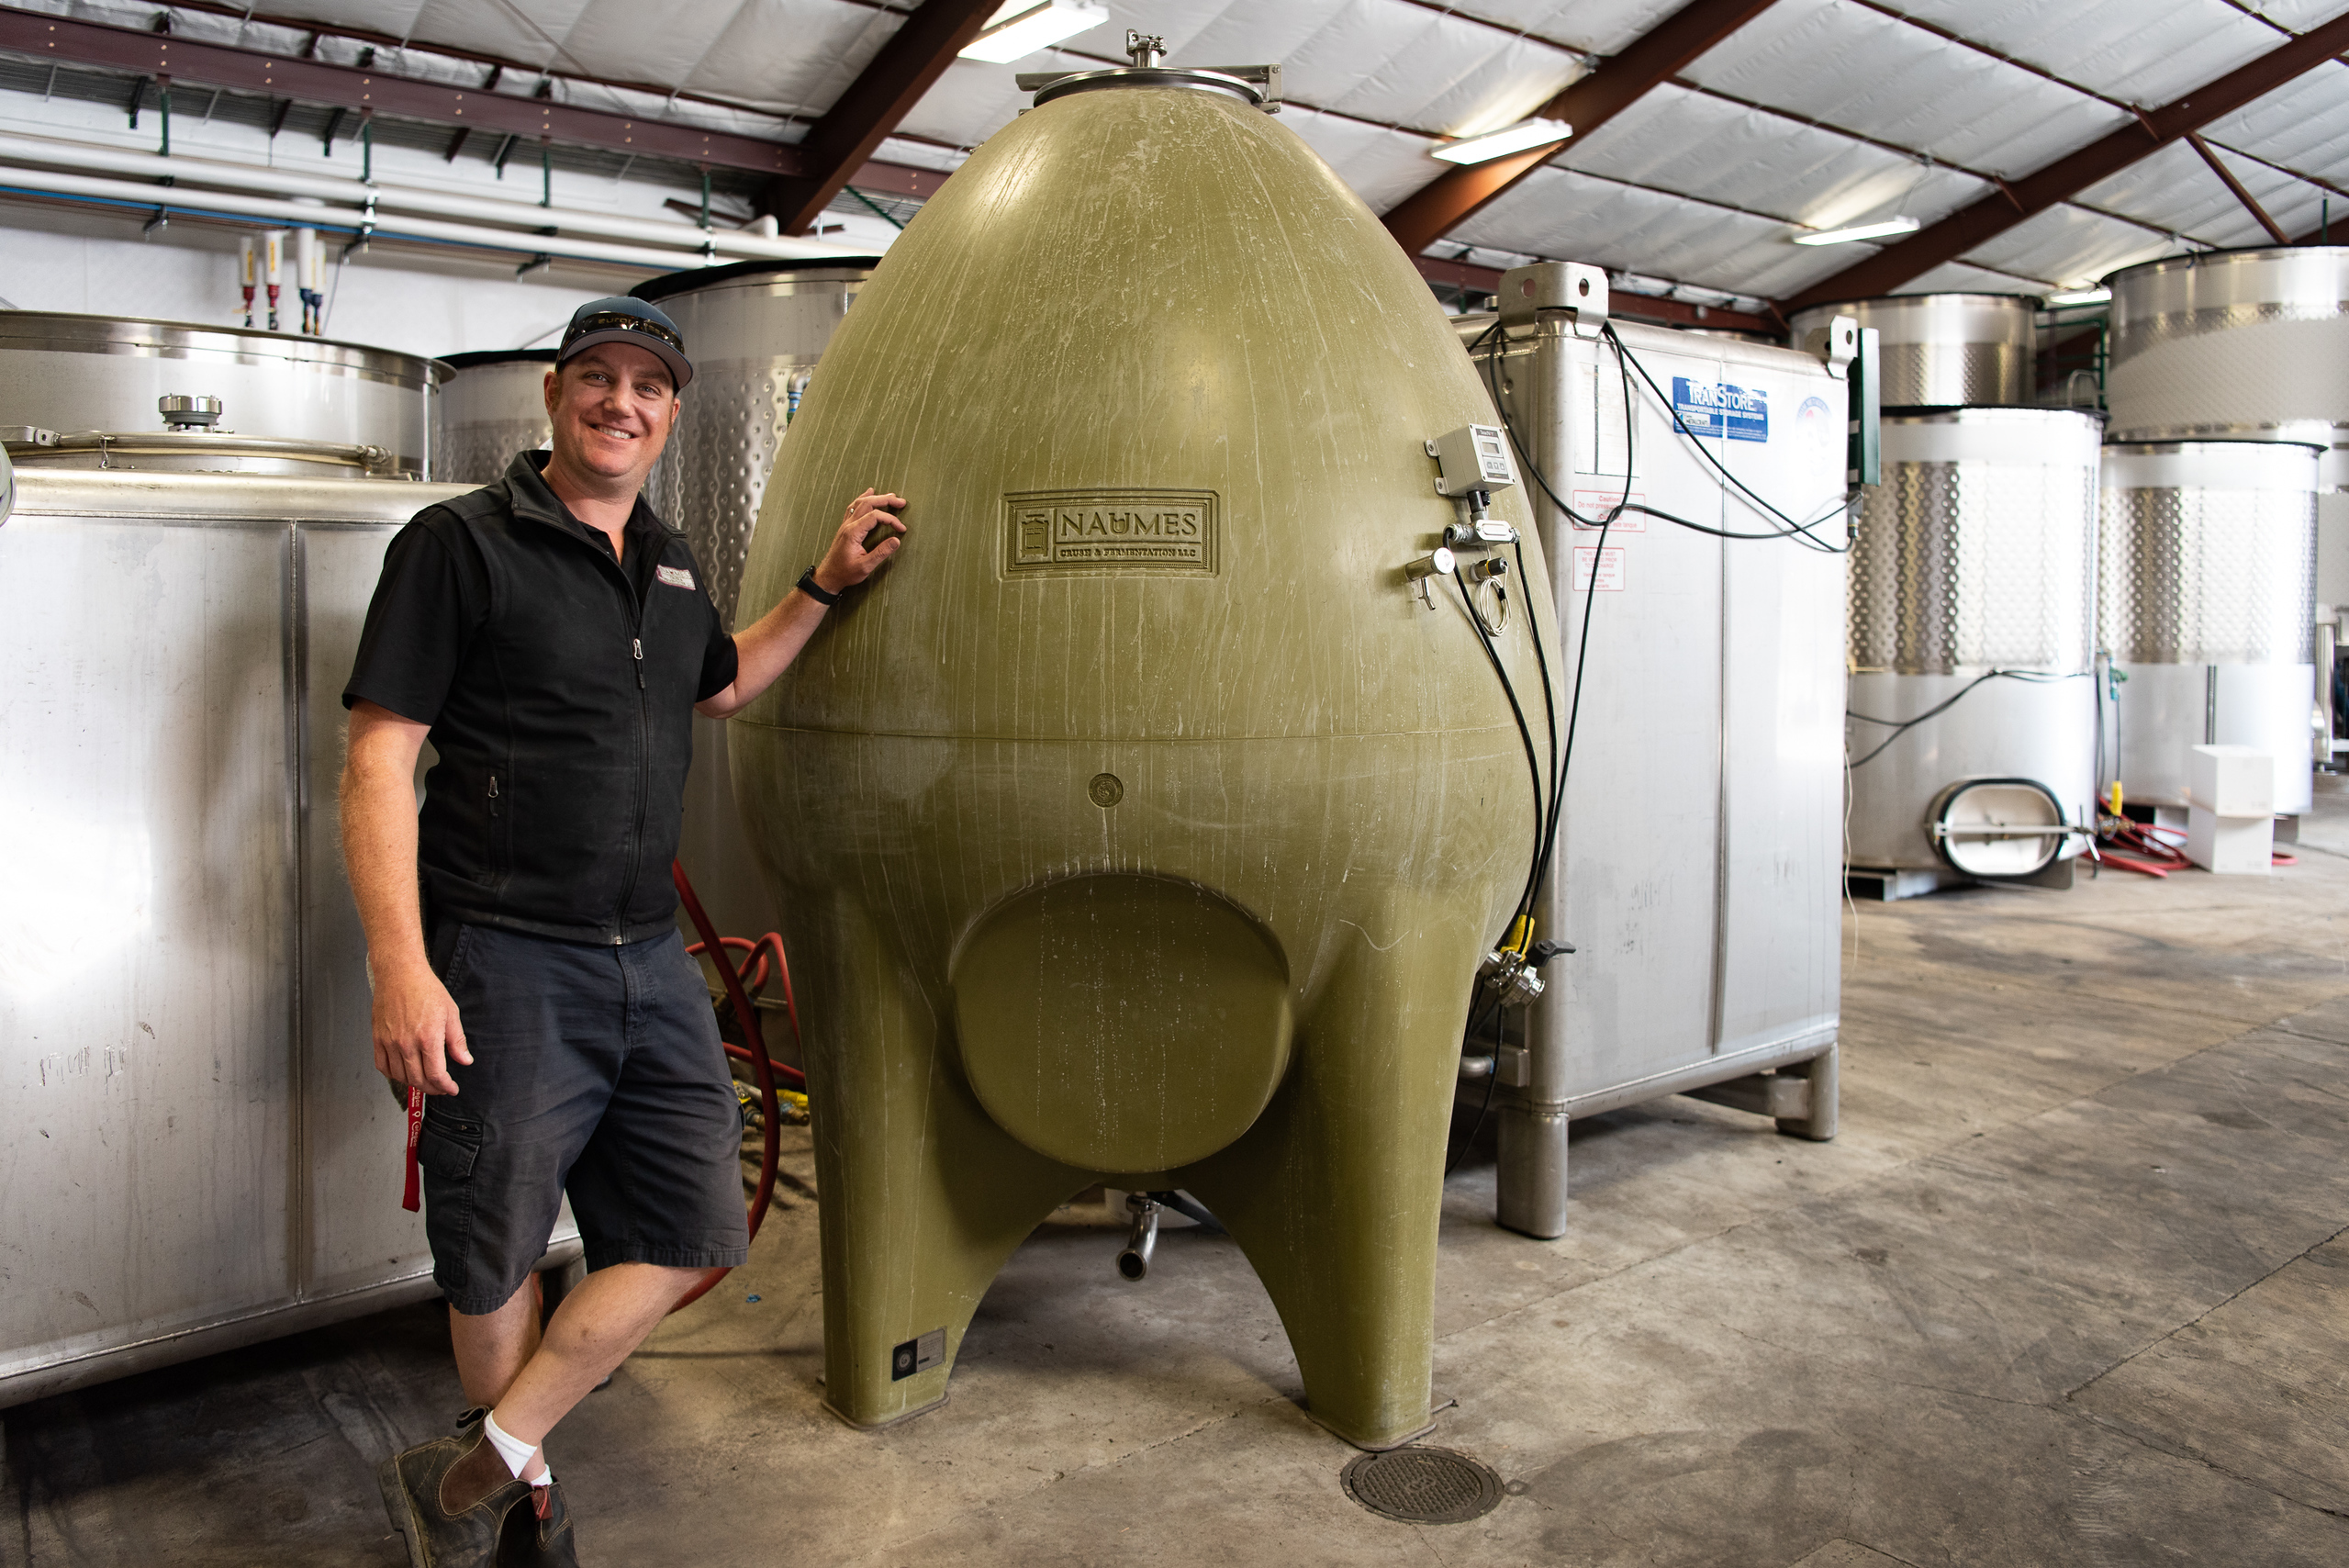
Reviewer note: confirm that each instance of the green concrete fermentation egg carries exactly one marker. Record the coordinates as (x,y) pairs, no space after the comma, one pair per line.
(1139,823)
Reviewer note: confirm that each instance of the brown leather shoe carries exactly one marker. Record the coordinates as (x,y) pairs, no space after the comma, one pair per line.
(538,1534)
(449,1497)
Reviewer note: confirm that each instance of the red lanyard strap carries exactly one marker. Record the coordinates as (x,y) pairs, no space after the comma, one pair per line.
(413,1199)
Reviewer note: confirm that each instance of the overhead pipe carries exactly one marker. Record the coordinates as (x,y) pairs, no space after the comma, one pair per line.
(360,225)
(531,218)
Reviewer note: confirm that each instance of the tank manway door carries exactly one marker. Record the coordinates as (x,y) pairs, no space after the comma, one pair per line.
(1996,828)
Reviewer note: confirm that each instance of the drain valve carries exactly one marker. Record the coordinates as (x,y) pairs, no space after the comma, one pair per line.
(1142,1241)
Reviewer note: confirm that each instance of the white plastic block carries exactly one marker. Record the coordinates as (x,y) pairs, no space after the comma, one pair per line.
(2230,846)
(2231,780)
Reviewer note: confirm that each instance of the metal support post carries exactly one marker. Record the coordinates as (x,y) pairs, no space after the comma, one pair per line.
(1531,1180)
(1824,1073)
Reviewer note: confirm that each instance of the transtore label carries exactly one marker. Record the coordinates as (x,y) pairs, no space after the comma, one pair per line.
(1716,409)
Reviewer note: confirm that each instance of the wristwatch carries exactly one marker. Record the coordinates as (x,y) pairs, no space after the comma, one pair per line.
(813,589)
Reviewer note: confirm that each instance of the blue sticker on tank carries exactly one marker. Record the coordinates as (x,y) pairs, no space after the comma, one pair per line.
(1716,408)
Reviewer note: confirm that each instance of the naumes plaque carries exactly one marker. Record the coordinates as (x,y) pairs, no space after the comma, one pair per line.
(1057,532)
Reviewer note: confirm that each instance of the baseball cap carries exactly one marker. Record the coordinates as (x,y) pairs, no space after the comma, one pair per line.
(620,319)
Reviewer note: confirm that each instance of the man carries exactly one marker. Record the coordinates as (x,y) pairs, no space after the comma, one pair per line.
(552,638)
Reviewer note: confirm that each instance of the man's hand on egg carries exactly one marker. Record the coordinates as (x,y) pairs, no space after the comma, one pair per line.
(867,537)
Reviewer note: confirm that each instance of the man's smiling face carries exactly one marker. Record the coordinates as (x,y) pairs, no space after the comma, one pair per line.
(613,407)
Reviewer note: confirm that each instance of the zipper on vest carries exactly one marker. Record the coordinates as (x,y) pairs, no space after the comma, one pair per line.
(643,772)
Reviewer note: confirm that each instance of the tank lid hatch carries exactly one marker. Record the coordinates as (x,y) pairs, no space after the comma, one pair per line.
(690,278)
(474,358)
(1257,85)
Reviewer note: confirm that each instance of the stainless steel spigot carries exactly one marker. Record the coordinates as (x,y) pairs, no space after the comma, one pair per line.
(1142,1239)
(1437,562)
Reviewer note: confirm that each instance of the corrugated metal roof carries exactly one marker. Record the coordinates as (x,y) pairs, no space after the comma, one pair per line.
(1816,112)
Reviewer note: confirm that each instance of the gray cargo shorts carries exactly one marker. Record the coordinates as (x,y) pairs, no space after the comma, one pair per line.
(597,1070)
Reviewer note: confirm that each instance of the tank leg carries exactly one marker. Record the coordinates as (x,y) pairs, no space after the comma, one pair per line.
(1335,1193)
(1530,1193)
(923,1198)
(1823,1072)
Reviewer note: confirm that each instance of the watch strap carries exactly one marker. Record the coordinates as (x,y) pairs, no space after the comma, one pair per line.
(813,589)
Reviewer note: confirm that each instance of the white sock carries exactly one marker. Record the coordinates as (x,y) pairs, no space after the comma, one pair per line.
(513,1450)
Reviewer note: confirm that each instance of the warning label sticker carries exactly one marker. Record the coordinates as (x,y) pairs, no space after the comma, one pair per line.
(917,1355)
(1596,504)
(1716,409)
(1605,565)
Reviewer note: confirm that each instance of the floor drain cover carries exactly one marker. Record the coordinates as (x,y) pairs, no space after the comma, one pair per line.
(1422,1487)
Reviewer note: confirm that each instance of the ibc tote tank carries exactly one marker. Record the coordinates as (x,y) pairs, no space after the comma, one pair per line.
(1139,824)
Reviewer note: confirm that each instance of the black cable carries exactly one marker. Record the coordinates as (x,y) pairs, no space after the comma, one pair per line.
(1562,760)
(1900,727)
(1525,453)
(2098,673)
(1492,1078)
(1792,527)
(1550,713)
(1574,704)
(1509,689)
(1799,531)
(2118,753)
(1695,527)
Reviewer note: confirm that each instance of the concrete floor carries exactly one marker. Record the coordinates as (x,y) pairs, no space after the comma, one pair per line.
(2073,1287)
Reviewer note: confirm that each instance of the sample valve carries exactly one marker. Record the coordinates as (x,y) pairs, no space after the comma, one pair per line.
(308,275)
(244,260)
(1437,563)
(273,252)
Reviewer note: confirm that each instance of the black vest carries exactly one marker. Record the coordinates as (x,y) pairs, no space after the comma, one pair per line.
(556,804)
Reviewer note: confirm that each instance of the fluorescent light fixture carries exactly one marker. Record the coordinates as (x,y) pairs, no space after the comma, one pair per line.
(1032,28)
(1881,230)
(1501,142)
(2080,296)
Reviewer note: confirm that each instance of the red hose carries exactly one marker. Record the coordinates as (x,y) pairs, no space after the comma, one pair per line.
(2143,847)
(762,1067)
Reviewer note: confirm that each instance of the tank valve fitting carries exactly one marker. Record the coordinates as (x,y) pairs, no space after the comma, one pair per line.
(182,412)
(1478,532)
(1513,979)
(1437,562)
(1142,1239)
(1478,528)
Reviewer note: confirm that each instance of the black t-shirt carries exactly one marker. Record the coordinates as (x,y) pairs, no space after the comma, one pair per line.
(559,683)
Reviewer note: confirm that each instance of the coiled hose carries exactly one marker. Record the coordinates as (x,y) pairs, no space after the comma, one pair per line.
(752,974)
